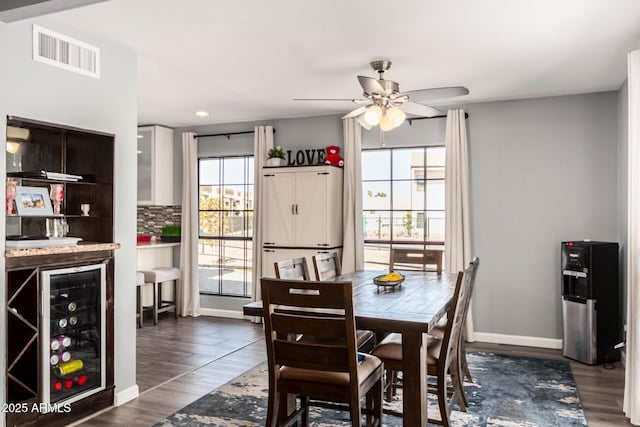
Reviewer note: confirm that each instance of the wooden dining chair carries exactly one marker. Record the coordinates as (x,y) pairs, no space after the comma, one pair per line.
(408,259)
(442,354)
(327,267)
(440,329)
(295,268)
(331,372)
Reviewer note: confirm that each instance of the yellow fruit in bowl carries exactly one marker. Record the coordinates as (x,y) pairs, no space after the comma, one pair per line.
(392,277)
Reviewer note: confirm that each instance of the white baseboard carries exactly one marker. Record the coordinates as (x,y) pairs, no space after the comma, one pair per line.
(229,314)
(126,395)
(517,340)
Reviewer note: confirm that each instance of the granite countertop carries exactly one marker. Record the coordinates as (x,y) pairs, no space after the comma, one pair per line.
(80,247)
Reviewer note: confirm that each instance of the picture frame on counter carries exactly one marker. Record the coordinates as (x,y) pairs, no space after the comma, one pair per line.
(33,201)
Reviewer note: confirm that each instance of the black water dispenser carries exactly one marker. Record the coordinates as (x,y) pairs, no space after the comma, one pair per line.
(590,301)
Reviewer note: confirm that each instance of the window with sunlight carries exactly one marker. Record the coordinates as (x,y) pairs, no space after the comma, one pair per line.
(225,218)
(402,201)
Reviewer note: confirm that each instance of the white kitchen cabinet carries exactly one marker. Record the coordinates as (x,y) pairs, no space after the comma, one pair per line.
(302,214)
(303,207)
(155,166)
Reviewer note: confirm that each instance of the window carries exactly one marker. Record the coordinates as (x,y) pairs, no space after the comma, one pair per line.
(402,200)
(225,219)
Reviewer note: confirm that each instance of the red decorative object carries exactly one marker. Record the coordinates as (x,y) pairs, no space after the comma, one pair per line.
(143,239)
(333,156)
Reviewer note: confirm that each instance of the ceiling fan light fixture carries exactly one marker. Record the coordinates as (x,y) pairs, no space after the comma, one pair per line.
(386,123)
(372,115)
(363,123)
(396,116)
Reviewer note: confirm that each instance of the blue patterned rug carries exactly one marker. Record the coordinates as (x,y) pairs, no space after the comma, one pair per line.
(508,391)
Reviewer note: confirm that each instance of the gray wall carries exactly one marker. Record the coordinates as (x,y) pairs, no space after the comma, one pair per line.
(34,90)
(542,171)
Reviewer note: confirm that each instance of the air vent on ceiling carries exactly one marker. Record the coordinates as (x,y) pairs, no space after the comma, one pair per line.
(61,51)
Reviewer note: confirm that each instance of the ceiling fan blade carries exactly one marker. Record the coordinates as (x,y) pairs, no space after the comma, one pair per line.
(424,95)
(323,99)
(420,110)
(371,85)
(355,112)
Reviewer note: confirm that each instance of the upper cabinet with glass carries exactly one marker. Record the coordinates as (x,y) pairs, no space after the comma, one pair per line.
(155,165)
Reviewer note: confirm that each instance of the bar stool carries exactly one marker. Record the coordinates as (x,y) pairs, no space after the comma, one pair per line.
(157,276)
(140,282)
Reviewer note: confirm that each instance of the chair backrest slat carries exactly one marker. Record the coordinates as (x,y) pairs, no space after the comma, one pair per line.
(311,325)
(418,257)
(295,268)
(326,266)
(312,356)
(305,293)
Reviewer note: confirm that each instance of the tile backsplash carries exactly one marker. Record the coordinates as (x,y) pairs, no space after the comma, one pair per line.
(151,219)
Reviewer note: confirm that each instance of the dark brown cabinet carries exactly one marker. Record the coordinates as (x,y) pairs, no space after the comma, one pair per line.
(64,150)
(68,151)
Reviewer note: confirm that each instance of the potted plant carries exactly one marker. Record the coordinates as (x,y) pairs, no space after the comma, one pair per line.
(170,233)
(275,156)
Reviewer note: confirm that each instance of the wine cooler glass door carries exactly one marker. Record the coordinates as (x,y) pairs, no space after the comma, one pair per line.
(72,333)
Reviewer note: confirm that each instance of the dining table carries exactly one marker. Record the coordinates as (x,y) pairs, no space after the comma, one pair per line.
(411,308)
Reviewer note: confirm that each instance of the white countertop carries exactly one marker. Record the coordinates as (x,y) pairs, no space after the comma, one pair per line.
(156,245)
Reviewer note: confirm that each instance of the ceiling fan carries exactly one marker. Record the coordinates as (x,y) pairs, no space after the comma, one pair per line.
(383,104)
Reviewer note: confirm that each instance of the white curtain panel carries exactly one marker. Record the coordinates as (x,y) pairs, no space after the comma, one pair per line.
(632,370)
(262,143)
(190,287)
(457,246)
(353,241)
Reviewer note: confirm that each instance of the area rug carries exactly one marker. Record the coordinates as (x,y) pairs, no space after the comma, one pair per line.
(508,391)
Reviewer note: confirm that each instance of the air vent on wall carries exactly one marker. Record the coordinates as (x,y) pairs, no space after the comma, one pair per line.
(61,51)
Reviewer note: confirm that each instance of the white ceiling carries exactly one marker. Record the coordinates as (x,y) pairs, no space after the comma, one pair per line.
(246,60)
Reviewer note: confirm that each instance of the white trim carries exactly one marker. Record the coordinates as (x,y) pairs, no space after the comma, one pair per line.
(517,340)
(229,314)
(126,395)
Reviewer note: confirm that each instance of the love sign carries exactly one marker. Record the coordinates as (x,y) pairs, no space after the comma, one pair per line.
(312,156)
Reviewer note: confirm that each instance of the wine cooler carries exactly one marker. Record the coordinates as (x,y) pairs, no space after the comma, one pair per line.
(72,333)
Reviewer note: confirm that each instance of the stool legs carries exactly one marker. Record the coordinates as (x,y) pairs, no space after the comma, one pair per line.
(161,305)
(139,304)
(156,303)
(175,299)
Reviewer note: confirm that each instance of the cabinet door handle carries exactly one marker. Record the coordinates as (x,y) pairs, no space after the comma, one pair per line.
(268,243)
(269,250)
(293,209)
(296,209)
(322,252)
(323,173)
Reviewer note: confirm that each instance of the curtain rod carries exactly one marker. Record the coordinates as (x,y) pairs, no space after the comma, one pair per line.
(466,116)
(228,134)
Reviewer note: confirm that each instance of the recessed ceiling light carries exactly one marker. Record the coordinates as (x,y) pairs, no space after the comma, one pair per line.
(202,113)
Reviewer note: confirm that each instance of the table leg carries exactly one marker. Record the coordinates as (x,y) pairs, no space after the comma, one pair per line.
(414,401)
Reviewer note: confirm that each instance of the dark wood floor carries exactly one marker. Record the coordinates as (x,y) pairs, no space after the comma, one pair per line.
(180,361)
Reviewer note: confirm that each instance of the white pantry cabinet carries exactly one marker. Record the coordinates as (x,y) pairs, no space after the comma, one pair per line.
(155,166)
(302,213)
(303,207)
